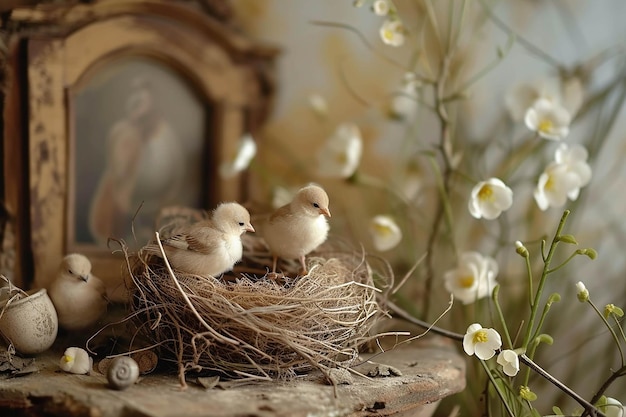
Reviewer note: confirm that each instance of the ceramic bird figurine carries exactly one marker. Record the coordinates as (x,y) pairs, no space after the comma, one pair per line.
(78,296)
(76,361)
(209,247)
(299,227)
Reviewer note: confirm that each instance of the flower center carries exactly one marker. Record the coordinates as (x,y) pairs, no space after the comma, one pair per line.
(341,158)
(466,281)
(545,126)
(486,193)
(388,34)
(480,336)
(549,184)
(382,229)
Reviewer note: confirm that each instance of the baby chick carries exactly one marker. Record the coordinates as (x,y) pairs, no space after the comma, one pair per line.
(78,296)
(209,247)
(298,227)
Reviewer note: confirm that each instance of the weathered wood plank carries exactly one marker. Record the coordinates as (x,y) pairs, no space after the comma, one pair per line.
(430,371)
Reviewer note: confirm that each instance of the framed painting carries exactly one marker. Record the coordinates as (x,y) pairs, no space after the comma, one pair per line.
(138,132)
(116,109)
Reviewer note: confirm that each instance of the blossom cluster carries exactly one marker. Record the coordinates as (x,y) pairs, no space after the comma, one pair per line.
(392,32)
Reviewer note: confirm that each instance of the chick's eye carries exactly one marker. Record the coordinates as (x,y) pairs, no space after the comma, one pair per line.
(70,271)
(316,205)
(241,224)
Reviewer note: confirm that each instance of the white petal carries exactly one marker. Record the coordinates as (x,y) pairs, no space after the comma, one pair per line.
(468,344)
(385,233)
(341,154)
(613,408)
(531,119)
(494,341)
(483,351)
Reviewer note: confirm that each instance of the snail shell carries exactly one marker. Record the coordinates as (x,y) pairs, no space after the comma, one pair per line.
(122,372)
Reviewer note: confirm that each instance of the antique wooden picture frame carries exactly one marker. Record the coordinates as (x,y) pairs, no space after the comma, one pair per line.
(228,74)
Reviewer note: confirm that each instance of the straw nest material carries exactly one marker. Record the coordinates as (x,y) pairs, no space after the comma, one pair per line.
(254,324)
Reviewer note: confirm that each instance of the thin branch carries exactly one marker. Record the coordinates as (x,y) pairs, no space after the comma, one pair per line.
(589,408)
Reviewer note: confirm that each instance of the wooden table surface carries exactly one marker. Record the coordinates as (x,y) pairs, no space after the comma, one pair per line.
(431,369)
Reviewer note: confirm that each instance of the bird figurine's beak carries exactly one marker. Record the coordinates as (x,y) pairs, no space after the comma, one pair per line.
(84,277)
(249,228)
(325,211)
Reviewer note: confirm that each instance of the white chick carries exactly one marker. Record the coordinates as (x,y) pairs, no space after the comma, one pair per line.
(76,361)
(297,228)
(209,247)
(78,296)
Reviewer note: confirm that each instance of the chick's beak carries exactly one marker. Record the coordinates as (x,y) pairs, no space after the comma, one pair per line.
(249,228)
(84,277)
(325,211)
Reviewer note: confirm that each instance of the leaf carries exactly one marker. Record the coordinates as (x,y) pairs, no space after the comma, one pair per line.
(556,410)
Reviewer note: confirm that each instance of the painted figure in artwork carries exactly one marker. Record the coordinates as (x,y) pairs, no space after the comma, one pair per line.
(144,170)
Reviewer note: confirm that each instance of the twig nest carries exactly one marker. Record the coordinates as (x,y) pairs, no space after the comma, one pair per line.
(247,325)
(122,372)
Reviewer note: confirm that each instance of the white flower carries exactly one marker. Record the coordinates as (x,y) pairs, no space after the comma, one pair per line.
(341,154)
(581,292)
(612,408)
(473,279)
(480,341)
(568,92)
(509,361)
(76,360)
(490,198)
(392,32)
(412,181)
(245,153)
(575,158)
(549,119)
(385,233)
(555,185)
(563,178)
(381,7)
(318,104)
(404,101)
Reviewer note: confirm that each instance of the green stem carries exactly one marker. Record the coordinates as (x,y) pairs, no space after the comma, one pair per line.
(497,387)
(619,326)
(507,336)
(608,326)
(531,354)
(544,276)
(564,263)
(529,271)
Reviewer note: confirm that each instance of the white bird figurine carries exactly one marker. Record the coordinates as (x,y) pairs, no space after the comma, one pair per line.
(299,227)
(209,247)
(76,361)
(78,296)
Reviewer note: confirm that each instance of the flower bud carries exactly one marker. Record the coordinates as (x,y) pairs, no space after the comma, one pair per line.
(526,394)
(568,239)
(612,309)
(589,252)
(521,249)
(583,294)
